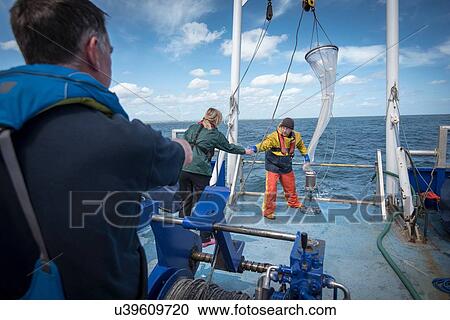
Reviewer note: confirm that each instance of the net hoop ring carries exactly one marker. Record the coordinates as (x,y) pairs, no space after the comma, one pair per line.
(327,46)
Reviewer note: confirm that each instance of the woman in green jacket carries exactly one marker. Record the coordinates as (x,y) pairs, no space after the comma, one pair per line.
(204,138)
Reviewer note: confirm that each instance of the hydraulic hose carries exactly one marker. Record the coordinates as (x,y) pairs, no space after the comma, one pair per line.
(408,285)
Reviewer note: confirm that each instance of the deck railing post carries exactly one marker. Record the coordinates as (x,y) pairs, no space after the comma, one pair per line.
(233,193)
(380,184)
(442,146)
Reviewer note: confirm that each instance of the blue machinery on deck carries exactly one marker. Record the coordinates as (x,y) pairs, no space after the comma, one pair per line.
(179,253)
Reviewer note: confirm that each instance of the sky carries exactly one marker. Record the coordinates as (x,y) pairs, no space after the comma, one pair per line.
(175,55)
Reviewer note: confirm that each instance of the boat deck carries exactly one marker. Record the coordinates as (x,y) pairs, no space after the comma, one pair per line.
(351,254)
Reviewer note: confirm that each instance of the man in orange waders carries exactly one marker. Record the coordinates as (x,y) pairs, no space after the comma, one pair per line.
(279,147)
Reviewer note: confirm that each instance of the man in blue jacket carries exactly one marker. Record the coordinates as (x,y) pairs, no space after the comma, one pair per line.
(75,144)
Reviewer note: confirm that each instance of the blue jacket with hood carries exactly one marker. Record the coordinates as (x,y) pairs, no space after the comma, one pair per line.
(75,143)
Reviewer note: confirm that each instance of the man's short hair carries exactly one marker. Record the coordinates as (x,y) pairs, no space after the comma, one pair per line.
(55,31)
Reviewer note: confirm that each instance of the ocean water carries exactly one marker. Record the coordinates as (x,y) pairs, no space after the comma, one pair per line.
(346,140)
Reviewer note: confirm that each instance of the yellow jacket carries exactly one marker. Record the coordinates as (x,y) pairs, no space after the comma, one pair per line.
(272,141)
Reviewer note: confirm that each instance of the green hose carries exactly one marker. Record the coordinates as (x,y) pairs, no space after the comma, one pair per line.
(391,262)
(391,174)
(396,176)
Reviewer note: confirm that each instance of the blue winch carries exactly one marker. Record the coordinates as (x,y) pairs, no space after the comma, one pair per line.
(179,253)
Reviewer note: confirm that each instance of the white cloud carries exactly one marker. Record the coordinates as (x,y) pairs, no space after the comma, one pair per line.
(206,97)
(199,73)
(352,79)
(292,91)
(359,55)
(271,79)
(195,33)
(198,83)
(135,100)
(415,57)
(9,45)
(445,47)
(214,72)
(256,101)
(167,99)
(299,56)
(254,92)
(282,6)
(192,35)
(438,82)
(249,41)
(167,17)
(183,106)
(170,103)
(127,91)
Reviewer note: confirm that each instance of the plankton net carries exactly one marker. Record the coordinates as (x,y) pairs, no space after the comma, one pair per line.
(323,61)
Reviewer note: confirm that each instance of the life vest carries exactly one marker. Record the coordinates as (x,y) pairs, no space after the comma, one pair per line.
(282,148)
(281,164)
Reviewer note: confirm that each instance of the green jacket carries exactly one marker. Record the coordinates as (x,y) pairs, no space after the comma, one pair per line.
(203,148)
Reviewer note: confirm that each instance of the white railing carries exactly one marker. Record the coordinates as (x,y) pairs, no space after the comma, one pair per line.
(237,169)
(440,152)
(379,200)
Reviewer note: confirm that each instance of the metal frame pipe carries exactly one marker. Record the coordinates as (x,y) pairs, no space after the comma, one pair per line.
(442,146)
(234,229)
(340,165)
(423,153)
(343,288)
(255,232)
(235,78)
(266,283)
(336,200)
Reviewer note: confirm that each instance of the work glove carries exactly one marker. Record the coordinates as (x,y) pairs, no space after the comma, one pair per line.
(307,164)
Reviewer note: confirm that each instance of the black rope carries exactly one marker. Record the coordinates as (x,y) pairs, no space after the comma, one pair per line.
(198,289)
(317,37)
(320,25)
(312,34)
(289,66)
